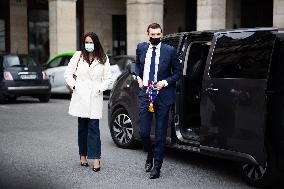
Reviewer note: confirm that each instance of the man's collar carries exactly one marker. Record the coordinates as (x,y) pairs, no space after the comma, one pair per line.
(157,47)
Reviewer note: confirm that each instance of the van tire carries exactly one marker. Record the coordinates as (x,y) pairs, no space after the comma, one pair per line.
(270,174)
(121,129)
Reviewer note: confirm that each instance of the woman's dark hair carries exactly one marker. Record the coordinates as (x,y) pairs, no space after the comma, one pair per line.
(98,52)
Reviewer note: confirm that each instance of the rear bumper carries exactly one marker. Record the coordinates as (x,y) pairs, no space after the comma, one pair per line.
(23,89)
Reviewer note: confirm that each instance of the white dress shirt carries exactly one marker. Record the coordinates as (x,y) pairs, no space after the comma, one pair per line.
(148,63)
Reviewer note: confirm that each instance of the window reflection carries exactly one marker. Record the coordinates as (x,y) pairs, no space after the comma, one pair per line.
(39,35)
(242,55)
(2,35)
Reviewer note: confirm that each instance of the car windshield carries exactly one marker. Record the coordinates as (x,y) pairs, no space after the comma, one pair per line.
(18,61)
(121,62)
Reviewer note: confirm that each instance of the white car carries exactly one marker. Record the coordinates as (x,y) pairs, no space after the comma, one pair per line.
(56,66)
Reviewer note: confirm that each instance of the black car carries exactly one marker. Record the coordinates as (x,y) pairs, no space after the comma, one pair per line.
(20,75)
(118,65)
(230,100)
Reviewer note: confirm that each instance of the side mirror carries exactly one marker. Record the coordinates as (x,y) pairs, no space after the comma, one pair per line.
(132,68)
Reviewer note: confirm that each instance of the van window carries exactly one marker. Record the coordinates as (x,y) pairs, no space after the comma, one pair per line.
(242,55)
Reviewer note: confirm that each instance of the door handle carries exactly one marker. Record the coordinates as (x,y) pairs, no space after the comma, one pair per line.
(211,89)
(270,92)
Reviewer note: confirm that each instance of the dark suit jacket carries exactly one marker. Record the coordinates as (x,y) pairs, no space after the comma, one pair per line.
(169,69)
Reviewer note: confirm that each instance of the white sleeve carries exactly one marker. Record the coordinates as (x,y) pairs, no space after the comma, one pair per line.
(71,68)
(107,77)
(165,83)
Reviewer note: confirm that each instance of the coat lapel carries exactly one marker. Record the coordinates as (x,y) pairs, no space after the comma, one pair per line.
(144,52)
(162,55)
(95,62)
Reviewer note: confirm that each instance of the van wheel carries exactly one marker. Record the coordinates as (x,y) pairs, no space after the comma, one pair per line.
(44,98)
(121,129)
(262,176)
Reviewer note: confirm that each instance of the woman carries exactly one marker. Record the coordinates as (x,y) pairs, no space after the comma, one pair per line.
(93,76)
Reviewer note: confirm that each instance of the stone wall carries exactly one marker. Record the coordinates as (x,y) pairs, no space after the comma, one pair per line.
(141,13)
(98,18)
(18,26)
(62,26)
(278,13)
(211,14)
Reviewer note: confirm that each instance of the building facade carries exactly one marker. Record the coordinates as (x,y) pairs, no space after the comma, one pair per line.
(44,28)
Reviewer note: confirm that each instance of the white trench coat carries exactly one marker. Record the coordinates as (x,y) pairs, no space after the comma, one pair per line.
(87,97)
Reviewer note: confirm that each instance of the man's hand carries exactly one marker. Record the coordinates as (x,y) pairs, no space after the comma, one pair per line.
(140,82)
(160,85)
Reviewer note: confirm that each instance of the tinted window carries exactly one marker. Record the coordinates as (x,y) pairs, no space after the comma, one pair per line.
(1,68)
(65,61)
(128,61)
(242,55)
(54,63)
(15,61)
(121,62)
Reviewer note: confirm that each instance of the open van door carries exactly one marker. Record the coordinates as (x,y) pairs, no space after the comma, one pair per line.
(233,102)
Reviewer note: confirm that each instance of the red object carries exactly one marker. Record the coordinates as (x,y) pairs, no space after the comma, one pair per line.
(44,76)
(8,76)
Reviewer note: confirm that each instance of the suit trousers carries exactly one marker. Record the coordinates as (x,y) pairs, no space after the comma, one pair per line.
(145,119)
(89,141)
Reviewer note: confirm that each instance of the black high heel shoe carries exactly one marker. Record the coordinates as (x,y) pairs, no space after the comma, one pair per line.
(84,164)
(96,169)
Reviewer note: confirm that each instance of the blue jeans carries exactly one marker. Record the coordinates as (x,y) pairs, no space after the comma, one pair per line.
(161,114)
(89,141)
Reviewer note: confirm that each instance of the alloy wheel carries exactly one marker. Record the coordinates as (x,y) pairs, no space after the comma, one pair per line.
(254,172)
(122,127)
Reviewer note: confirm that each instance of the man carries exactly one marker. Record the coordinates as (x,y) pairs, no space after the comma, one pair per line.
(156,62)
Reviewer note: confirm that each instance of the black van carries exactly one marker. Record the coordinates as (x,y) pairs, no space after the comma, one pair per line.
(230,100)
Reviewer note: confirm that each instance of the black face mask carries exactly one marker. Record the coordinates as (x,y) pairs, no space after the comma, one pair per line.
(155,41)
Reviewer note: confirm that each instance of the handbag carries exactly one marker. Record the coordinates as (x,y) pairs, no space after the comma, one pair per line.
(74,76)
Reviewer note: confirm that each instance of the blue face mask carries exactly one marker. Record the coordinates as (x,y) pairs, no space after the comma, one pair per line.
(89,47)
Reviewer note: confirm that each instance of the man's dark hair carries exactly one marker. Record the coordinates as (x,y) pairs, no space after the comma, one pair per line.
(154,26)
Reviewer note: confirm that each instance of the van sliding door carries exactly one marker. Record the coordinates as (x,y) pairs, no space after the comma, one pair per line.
(233,107)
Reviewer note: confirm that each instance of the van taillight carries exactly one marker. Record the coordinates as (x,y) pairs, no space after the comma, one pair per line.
(8,76)
(44,76)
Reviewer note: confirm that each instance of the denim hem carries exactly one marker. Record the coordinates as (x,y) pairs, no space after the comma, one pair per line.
(94,157)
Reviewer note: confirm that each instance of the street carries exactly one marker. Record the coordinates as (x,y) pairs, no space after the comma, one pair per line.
(39,150)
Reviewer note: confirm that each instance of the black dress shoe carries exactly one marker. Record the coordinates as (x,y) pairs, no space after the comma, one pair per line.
(149,162)
(155,173)
(148,165)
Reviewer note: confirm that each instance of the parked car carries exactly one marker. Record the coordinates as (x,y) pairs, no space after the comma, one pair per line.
(229,104)
(118,65)
(56,66)
(20,75)
(55,69)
